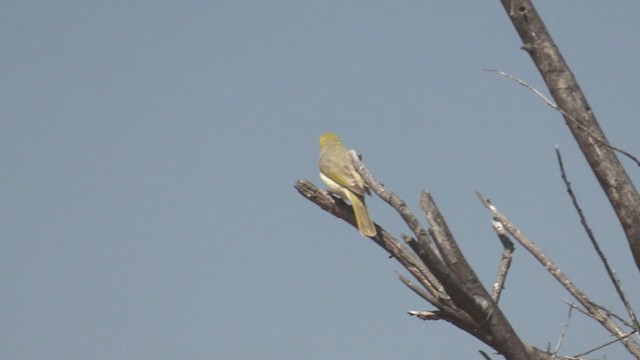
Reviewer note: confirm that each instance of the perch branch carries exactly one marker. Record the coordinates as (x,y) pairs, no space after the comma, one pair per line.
(385,240)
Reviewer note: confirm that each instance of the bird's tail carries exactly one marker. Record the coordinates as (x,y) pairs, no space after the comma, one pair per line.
(363,219)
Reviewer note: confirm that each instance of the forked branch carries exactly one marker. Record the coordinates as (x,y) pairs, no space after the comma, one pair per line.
(596,311)
(579,117)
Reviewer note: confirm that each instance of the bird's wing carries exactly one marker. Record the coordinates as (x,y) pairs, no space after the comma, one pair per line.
(343,173)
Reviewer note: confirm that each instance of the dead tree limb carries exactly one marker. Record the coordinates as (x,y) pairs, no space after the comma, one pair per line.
(595,310)
(463,300)
(564,88)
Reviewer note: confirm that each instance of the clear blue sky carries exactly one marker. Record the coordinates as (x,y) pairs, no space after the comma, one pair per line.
(149,151)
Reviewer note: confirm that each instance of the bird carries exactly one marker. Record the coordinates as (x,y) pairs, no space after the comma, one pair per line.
(339,174)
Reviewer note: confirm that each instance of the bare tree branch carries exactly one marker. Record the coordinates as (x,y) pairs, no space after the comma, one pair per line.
(583,220)
(564,88)
(597,311)
(578,356)
(449,249)
(338,208)
(418,290)
(470,297)
(402,254)
(425,315)
(567,116)
(505,262)
(563,331)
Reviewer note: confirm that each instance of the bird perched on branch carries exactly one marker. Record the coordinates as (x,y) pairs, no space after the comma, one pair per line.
(339,174)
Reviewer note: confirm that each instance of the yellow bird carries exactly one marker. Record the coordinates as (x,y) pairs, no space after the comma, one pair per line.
(337,171)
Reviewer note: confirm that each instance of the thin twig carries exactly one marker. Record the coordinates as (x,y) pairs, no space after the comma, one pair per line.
(505,262)
(604,345)
(558,109)
(574,306)
(623,321)
(563,330)
(417,289)
(425,315)
(609,313)
(583,220)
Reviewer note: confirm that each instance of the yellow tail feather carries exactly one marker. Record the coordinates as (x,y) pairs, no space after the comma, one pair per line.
(363,220)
